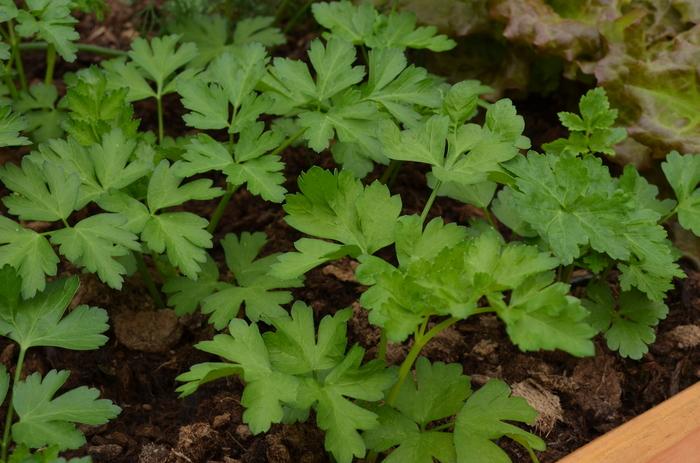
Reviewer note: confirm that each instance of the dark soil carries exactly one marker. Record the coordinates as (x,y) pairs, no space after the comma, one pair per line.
(579,399)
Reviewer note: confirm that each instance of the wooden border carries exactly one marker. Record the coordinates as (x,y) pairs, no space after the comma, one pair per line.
(668,433)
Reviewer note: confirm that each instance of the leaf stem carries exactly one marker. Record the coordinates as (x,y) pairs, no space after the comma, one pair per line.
(14,43)
(381,349)
(665,218)
(148,280)
(50,64)
(10,408)
(221,208)
(390,172)
(82,47)
(489,217)
(419,342)
(288,142)
(159,107)
(431,200)
(300,12)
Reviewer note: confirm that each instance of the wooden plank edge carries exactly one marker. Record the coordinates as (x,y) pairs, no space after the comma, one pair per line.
(667,433)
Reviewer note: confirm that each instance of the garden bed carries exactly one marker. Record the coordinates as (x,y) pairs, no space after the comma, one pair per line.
(578,399)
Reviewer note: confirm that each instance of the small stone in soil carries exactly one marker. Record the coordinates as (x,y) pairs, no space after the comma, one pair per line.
(105,452)
(148,331)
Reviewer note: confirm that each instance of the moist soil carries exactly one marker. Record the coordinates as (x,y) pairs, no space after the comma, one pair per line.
(578,399)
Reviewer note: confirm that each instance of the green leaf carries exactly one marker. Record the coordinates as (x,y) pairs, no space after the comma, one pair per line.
(40,321)
(592,132)
(203,373)
(413,242)
(340,418)
(483,420)
(45,192)
(48,420)
(296,368)
(353,23)
(11,125)
(463,155)
(164,189)
(683,174)
(461,101)
(183,236)
(438,392)
(184,295)
(266,390)
(627,324)
(541,315)
(413,445)
(363,25)
(447,280)
(338,207)
(29,253)
(295,347)
(230,80)
(127,75)
(252,285)
(38,105)
(50,20)
(311,253)
(95,109)
(398,30)
(258,29)
(95,243)
(399,89)
(160,58)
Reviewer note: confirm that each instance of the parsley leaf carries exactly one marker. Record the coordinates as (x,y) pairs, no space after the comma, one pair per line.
(336,206)
(46,192)
(11,125)
(541,315)
(683,174)
(482,421)
(95,242)
(592,131)
(94,109)
(438,392)
(40,321)
(296,368)
(182,235)
(251,285)
(363,25)
(250,163)
(229,81)
(50,20)
(29,253)
(628,324)
(573,203)
(463,155)
(48,420)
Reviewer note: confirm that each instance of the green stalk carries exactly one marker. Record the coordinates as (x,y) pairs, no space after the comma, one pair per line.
(300,12)
(390,172)
(489,217)
(10,408)
(420,341)
(159,105)
(14,42)
(148,280)
(665,218)
(381,349)
(221,208)
(82,47)
(430,202)
(287,143)
(50,64)
(565,273)
(280,9)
